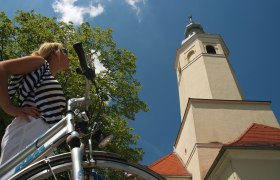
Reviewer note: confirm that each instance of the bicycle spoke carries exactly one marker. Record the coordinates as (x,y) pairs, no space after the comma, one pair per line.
(47,160)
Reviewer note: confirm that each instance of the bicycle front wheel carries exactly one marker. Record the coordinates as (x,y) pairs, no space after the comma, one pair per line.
(62,163)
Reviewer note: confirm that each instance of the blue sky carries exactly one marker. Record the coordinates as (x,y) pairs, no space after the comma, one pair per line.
(153,30)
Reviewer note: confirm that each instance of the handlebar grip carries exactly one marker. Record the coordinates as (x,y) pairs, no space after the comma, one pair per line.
(78,47)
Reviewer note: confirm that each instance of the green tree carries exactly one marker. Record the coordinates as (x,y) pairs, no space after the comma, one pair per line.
(117,99)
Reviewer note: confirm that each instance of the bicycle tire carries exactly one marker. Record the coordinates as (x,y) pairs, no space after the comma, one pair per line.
(63,162)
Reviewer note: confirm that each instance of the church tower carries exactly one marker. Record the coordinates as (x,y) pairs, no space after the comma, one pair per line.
(203,69)
(213,109)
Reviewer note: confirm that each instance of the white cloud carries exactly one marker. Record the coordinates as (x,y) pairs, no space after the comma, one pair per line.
(97,64)
(70,12)
(95,11)
(135,6)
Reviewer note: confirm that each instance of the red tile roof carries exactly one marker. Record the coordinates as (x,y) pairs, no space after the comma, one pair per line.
(169,165)
(259,135)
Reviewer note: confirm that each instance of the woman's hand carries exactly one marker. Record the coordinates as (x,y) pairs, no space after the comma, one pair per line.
(23,112)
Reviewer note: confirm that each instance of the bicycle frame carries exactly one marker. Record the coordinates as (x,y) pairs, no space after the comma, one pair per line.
(44,145)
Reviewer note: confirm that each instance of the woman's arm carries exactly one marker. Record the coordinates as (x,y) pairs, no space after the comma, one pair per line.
(22,65)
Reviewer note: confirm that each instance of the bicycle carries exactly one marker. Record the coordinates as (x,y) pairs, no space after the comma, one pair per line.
(33,161)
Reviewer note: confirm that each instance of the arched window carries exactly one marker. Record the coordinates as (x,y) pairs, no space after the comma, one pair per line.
(190,56)
(179,73)
(210,49)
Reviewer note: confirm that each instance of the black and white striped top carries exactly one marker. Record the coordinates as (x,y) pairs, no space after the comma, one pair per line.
(39,89)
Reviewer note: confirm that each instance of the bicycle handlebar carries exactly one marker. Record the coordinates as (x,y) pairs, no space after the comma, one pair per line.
(78,47)
(87,71)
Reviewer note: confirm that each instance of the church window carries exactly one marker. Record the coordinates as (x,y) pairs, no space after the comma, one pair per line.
(210,49)
(179,71)
(190,56)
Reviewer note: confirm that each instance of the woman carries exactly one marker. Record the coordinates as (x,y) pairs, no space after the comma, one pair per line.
(41,101)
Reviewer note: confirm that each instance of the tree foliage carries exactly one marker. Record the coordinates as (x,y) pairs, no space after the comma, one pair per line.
(117,99)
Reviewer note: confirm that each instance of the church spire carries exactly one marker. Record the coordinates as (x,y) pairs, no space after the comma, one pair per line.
(193,28)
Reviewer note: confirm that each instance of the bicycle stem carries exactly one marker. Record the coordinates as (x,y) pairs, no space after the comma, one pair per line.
(83,101)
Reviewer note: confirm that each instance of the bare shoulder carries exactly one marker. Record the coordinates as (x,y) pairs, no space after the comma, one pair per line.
(22,65)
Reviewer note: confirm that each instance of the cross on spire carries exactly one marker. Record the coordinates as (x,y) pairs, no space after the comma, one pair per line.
(193,27)
(190,18)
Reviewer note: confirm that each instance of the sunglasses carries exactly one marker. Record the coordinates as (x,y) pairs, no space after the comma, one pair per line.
(64,50)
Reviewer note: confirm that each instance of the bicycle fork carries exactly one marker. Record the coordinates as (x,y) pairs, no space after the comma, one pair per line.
(74,142)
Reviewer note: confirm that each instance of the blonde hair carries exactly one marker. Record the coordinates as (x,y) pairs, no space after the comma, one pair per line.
(46,50)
